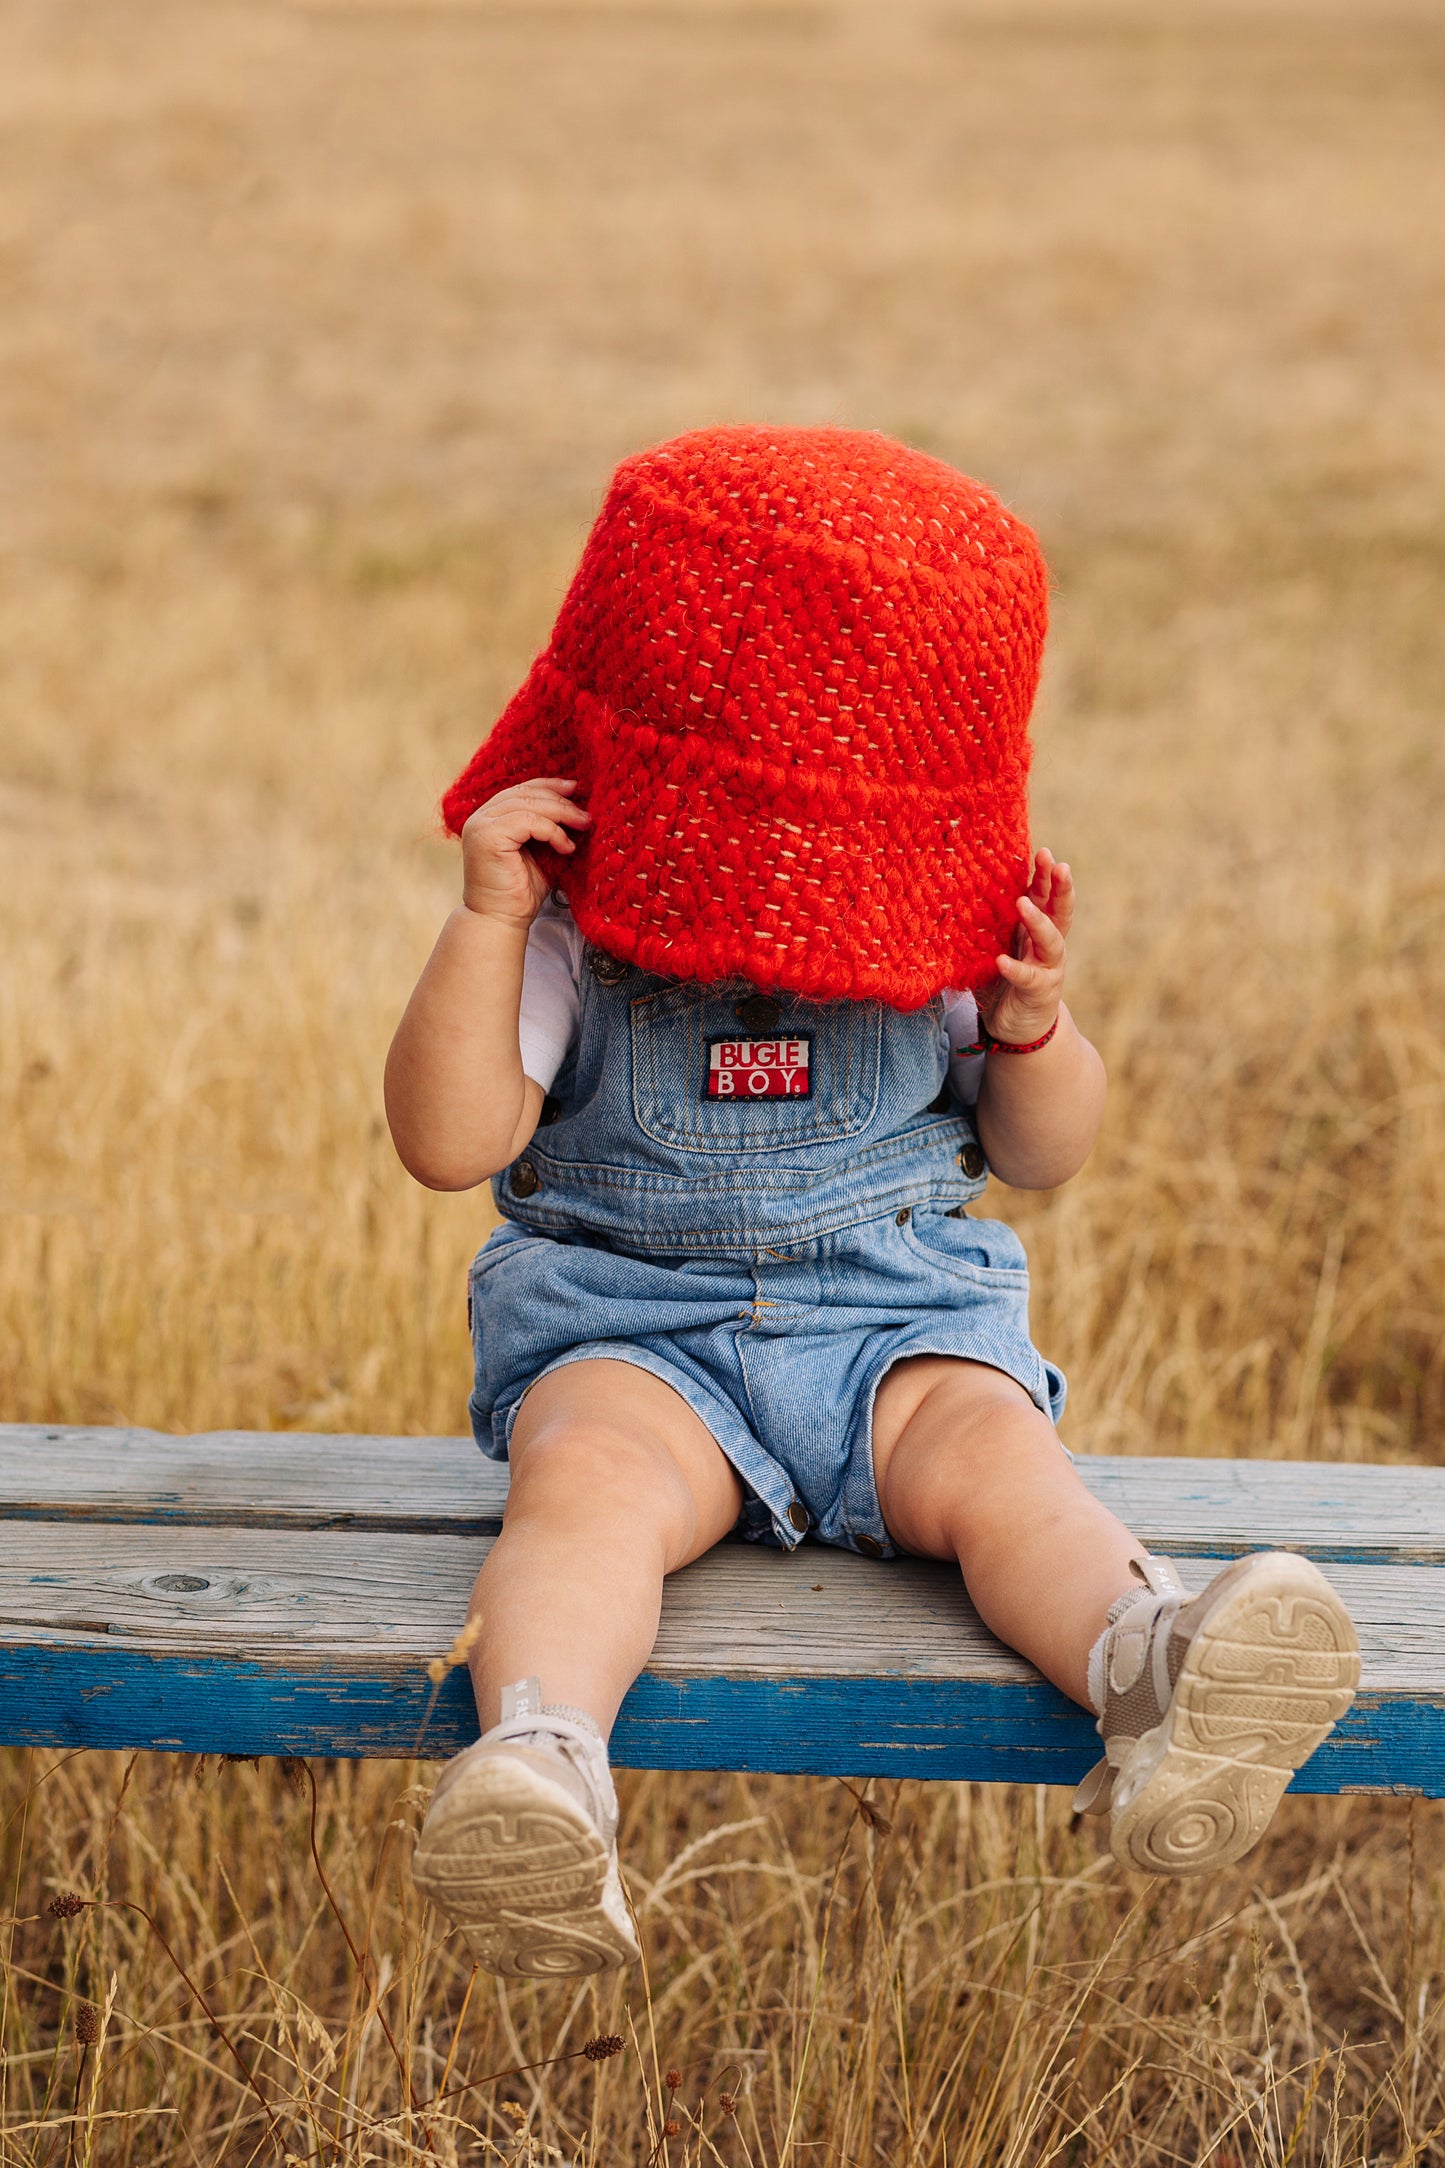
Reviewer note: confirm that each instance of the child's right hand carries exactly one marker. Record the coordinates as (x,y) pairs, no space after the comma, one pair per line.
(500,877)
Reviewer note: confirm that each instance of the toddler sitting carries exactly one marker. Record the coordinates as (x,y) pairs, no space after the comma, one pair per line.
(753,981)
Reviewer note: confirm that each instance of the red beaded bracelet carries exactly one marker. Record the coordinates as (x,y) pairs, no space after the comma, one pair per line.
(988,1044)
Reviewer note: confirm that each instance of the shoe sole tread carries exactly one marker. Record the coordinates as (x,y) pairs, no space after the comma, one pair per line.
(524,1873)
(1270,1669)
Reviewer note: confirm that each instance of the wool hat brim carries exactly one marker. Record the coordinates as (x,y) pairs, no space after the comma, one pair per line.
(796,879)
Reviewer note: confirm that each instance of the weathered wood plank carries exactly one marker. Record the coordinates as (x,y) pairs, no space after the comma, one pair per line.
(256,1479)
(764,1661)
(1346,1512)
(249,1479)
(743,1611)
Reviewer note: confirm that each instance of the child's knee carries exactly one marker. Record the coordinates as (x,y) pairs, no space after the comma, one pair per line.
(573,1463)
(950,1402)
(950,1430)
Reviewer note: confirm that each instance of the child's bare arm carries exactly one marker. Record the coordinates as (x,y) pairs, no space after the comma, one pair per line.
(1038,1114)
(459,1105)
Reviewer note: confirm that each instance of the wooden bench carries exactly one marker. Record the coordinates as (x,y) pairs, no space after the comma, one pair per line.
(250,1593)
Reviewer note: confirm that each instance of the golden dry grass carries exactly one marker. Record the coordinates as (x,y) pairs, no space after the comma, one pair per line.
(322,329)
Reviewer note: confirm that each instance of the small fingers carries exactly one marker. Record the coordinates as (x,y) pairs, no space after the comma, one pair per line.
(1051,881)
(1061,902)
(499,829)
(1043,931)
(555,796)
(549,790)
(553,792)
(525,803)
(545,826)
(1021,972)
(539,828)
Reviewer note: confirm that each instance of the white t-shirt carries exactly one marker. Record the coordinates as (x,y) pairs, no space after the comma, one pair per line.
(552,1006)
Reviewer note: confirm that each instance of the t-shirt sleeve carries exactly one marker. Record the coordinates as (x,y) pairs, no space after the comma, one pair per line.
(960,1029)
(551,993)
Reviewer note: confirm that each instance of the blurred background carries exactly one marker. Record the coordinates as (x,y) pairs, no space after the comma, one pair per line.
(322,328)
(325,326)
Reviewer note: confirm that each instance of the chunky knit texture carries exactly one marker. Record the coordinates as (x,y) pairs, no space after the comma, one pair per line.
(792,677)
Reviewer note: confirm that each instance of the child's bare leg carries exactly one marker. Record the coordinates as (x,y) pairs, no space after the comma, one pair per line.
(968,1468)
(1206,1706)
(615,1484)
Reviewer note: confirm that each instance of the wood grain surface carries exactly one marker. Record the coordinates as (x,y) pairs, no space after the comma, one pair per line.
(262,1479)
(262,1594)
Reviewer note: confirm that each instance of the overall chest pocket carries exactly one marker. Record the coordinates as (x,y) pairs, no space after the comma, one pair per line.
(707,1078)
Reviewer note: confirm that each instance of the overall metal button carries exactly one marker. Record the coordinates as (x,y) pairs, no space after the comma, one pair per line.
(607,970)
(904,1216)
(800,1517)
(869,1546)
(972,1161)
(760,1013)
(525,1179)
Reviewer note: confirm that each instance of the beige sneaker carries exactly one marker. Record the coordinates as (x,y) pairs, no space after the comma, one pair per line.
(519,1846)
(1209,1704)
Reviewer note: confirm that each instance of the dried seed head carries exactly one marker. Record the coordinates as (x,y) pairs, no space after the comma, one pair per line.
(66,1905)
(873,1819)
(672,2080)
(458,1653)
(728,2103)
(87,2024)
(604,2047)
(293,1771)
(671,2129)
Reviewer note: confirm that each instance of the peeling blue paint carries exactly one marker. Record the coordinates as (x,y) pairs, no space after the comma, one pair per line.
(54,1696)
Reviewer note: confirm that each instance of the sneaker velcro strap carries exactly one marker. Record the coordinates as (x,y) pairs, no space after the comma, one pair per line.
(1096,1790)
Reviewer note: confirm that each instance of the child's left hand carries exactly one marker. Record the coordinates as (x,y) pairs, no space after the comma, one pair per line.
(1031,980)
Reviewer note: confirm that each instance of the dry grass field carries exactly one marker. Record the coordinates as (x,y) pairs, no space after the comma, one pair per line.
(321,329)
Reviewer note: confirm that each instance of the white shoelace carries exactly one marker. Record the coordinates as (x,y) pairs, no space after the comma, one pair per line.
(556,1727)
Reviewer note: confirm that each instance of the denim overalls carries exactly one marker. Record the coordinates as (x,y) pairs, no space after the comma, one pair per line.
(761,1201)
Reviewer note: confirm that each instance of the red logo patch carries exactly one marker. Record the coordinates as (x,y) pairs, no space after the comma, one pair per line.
(759,1069)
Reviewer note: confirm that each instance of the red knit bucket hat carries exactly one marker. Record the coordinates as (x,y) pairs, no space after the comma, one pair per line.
(792,677)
